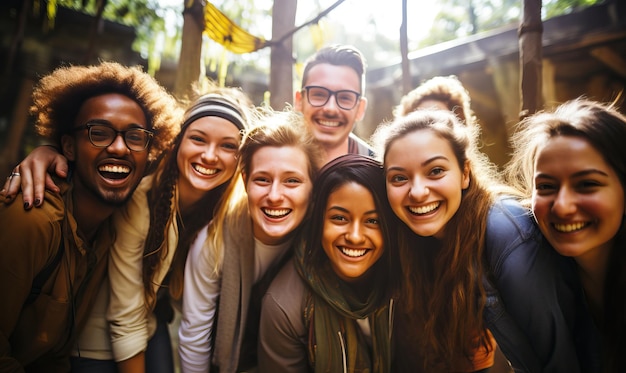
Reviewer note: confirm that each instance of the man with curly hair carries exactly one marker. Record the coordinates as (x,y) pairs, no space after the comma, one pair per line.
(110,122)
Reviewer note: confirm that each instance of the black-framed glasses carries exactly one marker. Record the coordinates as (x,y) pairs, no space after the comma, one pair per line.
(319,96)
(101,136)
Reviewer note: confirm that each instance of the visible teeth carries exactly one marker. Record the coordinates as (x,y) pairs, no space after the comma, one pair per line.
(329,124)
(276,213)
(569,227)
(424,209)
(114,169)
(355,253)
(205,171)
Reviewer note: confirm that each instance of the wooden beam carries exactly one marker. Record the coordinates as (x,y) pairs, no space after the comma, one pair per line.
(611,59)
(530,57)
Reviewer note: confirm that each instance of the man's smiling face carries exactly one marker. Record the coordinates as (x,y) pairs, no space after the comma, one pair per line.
(109,173)
(329,123)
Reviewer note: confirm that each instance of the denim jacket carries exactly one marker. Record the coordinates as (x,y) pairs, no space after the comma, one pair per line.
(531,296)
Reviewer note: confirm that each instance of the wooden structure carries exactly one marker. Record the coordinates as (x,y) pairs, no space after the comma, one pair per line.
(584,53)
(41,50)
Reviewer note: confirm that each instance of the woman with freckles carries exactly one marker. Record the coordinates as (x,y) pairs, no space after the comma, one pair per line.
(233,261)
(330,310)
(572,165)
(476,279)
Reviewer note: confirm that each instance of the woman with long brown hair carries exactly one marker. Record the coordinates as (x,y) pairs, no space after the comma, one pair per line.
(464,249)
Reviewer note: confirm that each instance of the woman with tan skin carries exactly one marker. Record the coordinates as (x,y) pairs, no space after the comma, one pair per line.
(330,310)
(571,164)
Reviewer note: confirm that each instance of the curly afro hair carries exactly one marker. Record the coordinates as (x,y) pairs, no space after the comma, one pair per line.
(59,95)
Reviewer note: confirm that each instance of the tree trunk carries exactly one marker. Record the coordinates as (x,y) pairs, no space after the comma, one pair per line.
(188,71)
(530,54)
(281,58)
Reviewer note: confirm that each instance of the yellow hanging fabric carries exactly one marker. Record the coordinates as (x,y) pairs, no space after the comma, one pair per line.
(317,34)
(224,31)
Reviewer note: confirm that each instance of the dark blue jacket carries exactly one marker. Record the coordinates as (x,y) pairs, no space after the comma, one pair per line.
(533,311)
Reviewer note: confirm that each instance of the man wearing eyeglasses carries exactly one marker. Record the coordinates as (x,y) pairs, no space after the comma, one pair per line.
(331,99)
(109,121)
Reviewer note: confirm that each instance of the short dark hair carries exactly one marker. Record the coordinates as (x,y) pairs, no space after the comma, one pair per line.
(338,55)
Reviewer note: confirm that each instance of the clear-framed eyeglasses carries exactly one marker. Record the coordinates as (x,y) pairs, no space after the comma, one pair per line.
(318,96)
(102,135)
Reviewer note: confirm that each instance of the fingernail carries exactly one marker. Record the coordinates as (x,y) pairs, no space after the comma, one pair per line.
(26,205)
(37,202)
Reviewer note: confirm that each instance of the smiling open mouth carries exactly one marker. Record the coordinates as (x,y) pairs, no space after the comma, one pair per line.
(115,172)
(421,210)
(276,213)
(327,123)
(567,228)
(204,171)
(353,253)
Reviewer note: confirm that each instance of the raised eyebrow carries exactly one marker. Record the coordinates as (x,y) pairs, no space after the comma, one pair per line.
(205,133)
(99,121)
(396,168)
(371,212)
(289,174)
(105,122)
(258,173)
(343,209)
(236,139)
(346,90)
(425,163)
(433,159)
(335,207)
(593,171)
(541,175)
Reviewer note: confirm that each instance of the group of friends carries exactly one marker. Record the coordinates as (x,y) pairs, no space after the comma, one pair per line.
(288,244)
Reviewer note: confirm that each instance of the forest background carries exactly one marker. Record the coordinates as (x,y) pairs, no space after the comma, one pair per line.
(171,35)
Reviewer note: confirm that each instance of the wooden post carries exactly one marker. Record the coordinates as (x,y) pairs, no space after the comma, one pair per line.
(281,56)
(189,63)
(530,54)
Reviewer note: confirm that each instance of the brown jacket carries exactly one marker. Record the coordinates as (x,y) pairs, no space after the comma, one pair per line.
(38,336)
